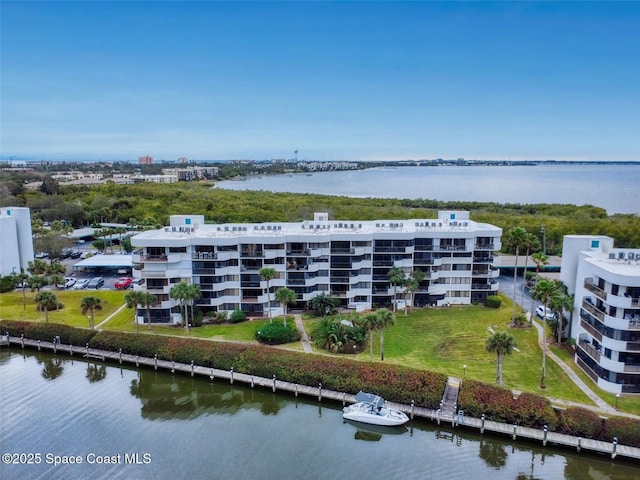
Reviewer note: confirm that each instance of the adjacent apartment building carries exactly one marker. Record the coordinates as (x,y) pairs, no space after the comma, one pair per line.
(16,241)
(605,321)
(350,260)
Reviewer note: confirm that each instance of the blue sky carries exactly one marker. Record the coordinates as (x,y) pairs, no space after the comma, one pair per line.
(334,80)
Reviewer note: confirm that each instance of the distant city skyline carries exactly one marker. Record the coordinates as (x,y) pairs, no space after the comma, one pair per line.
(331,80)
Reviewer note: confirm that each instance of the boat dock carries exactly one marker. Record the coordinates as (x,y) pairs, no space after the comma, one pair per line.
(446,413)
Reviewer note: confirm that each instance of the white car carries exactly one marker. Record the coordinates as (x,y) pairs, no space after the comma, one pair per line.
(540,313)
(69,282)
(80,284)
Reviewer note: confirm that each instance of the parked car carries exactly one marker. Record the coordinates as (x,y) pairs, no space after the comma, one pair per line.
(75,255)
(95,282)
(540,313)
(80,284)
(69,282)
(124,282)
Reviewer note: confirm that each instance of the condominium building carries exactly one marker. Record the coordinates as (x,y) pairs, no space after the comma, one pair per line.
(16,241)
(605,321)
(349,260)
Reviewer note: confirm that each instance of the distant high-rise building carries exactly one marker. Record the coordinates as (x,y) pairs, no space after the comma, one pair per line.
(146,160)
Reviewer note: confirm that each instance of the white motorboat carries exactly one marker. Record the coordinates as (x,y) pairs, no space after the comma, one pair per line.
(372,410)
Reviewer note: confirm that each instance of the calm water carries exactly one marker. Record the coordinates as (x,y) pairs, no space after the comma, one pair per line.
(613,187)
(196,429)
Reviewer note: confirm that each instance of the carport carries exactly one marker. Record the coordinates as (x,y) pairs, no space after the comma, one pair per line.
(104,262)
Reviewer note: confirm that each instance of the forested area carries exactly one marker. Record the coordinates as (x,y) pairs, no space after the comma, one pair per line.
(150,205)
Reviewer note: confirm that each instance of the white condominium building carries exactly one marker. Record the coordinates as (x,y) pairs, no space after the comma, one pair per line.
(349,260)
(16,240)
(606,318)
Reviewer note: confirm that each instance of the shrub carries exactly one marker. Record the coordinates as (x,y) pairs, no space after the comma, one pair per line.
(626,430)
(196,321)
(238,316)
(580,422)
(48,331)
(277,333)
(221,317)
(7,283)
(520,321)
(493,301)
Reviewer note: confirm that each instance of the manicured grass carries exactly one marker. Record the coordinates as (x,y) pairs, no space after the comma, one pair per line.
(628,403)
(11,306)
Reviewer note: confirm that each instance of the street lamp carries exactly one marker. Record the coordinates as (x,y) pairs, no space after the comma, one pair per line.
(617,398)
(465,371)
(544,239)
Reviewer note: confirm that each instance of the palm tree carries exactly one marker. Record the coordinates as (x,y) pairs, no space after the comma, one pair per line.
(37,267)
(516,238)
(45,301)
(417,276)
(268,274)
(544,291)
(540,259)
(56,280)
(91,304)
(139,297)
(560,302)
(502,344)
(180,292)
(285,296)
(531,244)
(56,268)
(370,322)
(385,319)
(323,304)
(396,277)
(22,278)
(192,294)
(36,282)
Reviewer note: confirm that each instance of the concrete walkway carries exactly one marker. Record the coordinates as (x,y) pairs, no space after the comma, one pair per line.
(602,405)
(306,345)
(110,316)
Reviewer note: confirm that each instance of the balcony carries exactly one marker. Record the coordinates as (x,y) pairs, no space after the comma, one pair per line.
(592,309)
(590,350)
(154,258)
(582,364)
(593,288)
(592,331)
(484,246)
(482,259)
(204,256)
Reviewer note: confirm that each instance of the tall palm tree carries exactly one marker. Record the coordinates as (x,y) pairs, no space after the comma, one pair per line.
(544,291)
(371,323)
(56,268)
(410,287)
(396,277)
(45,301)
(385,319)
(139,297)
(531,244)
(516,238)
(22,278)
(501,343)
(560,302)
(540,259)
(268,274)
(56,280)
(192,294)
(285,296)
(36,282)
(91,304)
(417,276)
(37,267)
(180,292)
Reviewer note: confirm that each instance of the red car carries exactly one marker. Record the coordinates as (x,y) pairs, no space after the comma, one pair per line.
(124,282)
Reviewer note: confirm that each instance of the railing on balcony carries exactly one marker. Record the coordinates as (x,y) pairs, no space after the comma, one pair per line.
(587,347)
(154,258)
(594,333)
(631,368)
(481,286)
(204,271)
(204,256)
(589,285)
(591,308)
(633,346)
(482,259)
(251,253)
(484,246)
(587,369)
(342,250)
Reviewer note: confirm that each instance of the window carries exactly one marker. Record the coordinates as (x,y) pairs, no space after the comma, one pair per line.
(595,243)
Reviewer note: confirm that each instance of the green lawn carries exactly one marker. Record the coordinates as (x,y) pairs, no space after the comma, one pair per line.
(435,339)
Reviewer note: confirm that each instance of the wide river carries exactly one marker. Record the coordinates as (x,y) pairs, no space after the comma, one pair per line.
(125,423)
(613,187)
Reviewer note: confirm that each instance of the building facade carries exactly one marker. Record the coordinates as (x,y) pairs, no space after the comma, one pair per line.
(349,260)
(16,241)
(605,321)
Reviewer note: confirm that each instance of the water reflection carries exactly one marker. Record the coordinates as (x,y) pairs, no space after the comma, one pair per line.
(53,368)
(174,396)
(494,455)
(374,433)
(96,372)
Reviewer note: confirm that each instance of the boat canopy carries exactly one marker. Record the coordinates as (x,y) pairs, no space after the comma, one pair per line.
(375,400)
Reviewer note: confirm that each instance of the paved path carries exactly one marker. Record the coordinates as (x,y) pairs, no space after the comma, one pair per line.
(109,317)
(602,405)
(306,345)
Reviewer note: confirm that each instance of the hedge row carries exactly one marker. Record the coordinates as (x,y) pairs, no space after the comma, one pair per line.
(48,331)
(395,383)
(398,384)
(531,410)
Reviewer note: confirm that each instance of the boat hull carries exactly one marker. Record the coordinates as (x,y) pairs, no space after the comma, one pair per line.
(386,417)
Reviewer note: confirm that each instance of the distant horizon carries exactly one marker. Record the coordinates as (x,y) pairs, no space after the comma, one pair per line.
(332,81)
